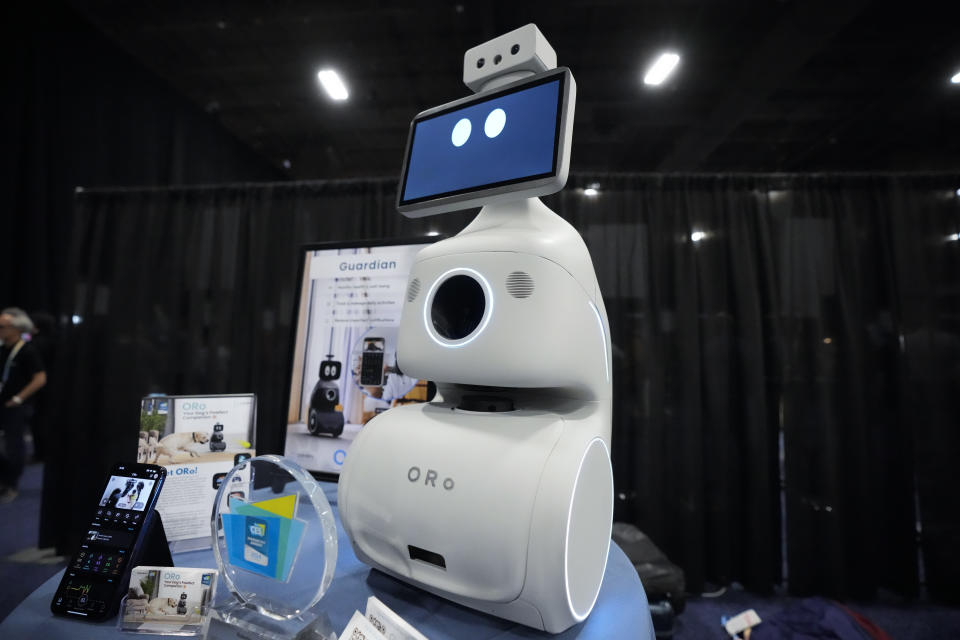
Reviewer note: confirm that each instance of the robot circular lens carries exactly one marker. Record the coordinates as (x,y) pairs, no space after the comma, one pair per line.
(497,58)
(515,49)
(480,62)
(458,307)
(495,123)
(461,132)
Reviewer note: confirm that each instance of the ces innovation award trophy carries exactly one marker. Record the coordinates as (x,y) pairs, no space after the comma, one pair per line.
(275,541)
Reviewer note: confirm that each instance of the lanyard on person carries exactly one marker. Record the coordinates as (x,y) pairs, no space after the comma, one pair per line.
(9,362)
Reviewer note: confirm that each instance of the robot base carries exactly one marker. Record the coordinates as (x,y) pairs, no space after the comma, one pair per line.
(506,512)
(325,422)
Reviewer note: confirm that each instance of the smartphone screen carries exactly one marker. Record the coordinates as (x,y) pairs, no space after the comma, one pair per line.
(371,362)
(97,574)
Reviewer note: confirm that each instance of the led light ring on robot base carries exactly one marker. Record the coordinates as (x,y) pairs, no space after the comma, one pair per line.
(581,614)
(484,320)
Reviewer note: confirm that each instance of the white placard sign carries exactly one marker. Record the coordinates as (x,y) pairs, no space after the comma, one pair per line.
(359,628)
(389,623)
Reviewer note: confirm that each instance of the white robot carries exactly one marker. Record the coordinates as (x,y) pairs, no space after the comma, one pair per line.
(498,494)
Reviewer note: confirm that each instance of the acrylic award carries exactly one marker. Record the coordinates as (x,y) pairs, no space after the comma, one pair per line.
(275,540)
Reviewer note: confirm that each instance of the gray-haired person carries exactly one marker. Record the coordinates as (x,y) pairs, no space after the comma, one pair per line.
(22,375)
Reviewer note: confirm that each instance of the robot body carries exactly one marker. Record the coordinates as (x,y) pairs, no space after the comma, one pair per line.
(499,496)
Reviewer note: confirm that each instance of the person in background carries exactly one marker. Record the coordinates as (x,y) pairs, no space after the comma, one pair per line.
(44,338)
(22,376)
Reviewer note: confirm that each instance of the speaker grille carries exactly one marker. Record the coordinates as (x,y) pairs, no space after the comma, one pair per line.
(413,289)
(520,284)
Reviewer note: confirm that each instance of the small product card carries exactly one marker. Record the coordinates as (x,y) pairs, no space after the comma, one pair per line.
(359,628)
(379,623)
(388,623)
(742,622)
(167,599)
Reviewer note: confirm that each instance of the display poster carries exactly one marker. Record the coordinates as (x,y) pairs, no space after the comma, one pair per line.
(344,368)
(198,439)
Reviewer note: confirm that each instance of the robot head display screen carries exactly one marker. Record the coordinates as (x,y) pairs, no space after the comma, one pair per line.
(493,142)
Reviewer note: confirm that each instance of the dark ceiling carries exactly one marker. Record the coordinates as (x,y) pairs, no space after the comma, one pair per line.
(762,86)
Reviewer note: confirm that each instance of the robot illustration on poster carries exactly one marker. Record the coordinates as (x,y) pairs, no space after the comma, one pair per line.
(326,413)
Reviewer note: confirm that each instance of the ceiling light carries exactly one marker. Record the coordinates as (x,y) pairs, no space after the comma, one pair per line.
(592,190)
(953,237)
(332,84)
(956,78)
(661,69)
(433,233)
(697,236)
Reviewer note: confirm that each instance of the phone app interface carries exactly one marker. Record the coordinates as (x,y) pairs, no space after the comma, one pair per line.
(123,492)
(371,365)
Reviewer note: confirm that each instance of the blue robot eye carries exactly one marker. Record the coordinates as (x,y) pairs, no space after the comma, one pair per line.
(461,132)
(495,123)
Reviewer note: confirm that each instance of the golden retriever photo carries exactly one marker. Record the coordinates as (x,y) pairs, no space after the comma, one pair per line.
(177,447)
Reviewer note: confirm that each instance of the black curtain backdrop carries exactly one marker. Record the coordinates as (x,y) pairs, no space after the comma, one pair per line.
(80,112)
(820,313)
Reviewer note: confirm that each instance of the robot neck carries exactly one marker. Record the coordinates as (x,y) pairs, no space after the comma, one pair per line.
(506,78)
(515,214)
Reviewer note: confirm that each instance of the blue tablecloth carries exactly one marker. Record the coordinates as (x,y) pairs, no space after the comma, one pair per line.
(621,610)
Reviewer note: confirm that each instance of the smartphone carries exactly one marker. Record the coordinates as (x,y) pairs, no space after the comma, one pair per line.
(98,573)
(371,362)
